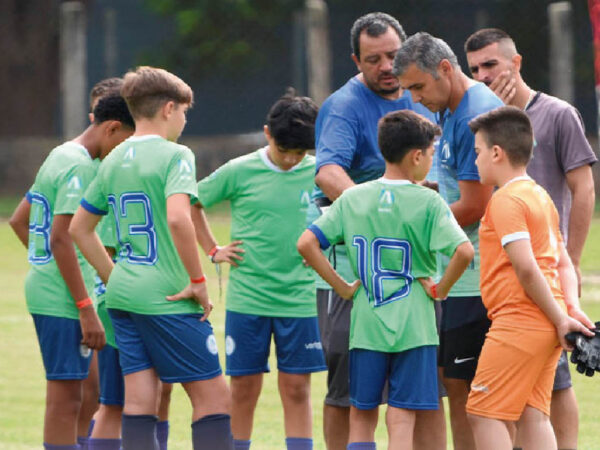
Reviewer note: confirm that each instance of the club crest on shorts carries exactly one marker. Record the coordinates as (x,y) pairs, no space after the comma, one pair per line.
(85,351)
(229,345)
(211,344)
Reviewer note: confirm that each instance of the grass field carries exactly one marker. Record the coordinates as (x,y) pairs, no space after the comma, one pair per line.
(22,383)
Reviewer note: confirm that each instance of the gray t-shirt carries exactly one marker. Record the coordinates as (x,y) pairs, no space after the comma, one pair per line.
(560,146)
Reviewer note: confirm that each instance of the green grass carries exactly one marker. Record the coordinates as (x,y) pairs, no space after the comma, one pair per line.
(22,385)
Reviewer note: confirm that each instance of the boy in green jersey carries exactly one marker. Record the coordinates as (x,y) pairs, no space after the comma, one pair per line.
(270,292)
(59,281)
(156,293)
(392,229)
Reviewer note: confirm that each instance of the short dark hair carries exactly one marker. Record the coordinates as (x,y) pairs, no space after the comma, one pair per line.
(108,86)
(374,24)
(426,52)
(509,128)
(485,37)
(403,131)
(148,88)
(291,122)
(113,107)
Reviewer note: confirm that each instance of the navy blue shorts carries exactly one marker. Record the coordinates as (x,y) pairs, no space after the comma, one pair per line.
(112,386)
(411,374)
(65,358)
(248,343)
(178,346)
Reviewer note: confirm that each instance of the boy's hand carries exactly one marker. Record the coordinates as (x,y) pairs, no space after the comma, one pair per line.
(196,292)
(568,325)
(504,86)
(348,291)
(428,284)
(229,254)
(91,328)
(578,314)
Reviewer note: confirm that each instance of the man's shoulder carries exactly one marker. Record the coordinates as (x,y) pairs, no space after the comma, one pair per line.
(477,100)
(548,105)
(345,98)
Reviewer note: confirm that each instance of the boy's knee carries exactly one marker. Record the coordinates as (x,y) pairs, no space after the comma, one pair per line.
(296,391)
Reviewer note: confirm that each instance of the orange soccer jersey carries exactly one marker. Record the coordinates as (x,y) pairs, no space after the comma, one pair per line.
(521,209)
(521,350)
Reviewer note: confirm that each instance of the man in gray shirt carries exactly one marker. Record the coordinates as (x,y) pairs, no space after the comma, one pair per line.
(562,159)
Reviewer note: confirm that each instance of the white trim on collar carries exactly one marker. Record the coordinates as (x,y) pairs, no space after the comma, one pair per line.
(263,155)
(144,137)
(396,182)
(80,147)
(519,178)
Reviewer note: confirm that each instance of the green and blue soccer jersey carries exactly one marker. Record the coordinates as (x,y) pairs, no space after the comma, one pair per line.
(268,209)
(58,188)
(392,230)
(106,233)
(134,181)
(455,162)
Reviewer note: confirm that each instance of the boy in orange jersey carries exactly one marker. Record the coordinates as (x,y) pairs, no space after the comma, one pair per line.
(527,285)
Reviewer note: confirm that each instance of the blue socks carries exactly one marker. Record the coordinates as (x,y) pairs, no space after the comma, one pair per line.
(162,434)
(361,446)
(241,445)
(104,444)
(212,432)
(299,443)
(61,447)
(91,427)
(139,432)
(82,442)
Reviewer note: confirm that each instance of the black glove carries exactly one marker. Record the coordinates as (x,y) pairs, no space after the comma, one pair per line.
(586,352)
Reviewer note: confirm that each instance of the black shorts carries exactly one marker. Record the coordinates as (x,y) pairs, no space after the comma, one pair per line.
(461,346)
(334,325)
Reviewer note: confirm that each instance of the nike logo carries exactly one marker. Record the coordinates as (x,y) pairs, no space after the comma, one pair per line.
(462,360)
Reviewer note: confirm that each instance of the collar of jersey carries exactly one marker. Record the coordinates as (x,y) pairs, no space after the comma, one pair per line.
(263,155)
(81,148)
(396,182)
(520,178)
(145,137)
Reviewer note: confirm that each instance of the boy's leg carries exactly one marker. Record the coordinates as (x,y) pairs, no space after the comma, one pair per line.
(245,391)
(299,353)
(400,425)
(89,403)
(564,413)
(247,346)
(362,424)
(334,324)
(139,413)
(430,429)
(63,401)
(490,434)
(535,430)
(294,390)
(112,395)
(162,427)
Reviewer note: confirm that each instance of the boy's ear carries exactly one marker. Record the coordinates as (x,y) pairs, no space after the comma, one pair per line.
(168,108)
(111,127)
(497,153)
(267,132)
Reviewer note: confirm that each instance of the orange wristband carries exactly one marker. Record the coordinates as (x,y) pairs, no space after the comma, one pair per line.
(200,280)
(83,303)
(213,252)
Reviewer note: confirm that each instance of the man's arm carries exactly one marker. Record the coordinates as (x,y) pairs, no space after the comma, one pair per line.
(19,221)
(333,180)
(581,185)
(470,207)
(535,285)
(309,248)
(63,250)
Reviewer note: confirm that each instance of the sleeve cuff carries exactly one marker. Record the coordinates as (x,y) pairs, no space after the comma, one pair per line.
(323,242)
(518,236)
(91,208)
(28,197)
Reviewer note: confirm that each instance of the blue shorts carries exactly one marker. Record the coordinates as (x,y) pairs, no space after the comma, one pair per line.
(178,346)
(412,377)
(65,358)
(248,343)
(112,386)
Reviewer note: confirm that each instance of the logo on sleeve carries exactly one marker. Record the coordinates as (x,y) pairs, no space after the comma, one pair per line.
(445,153)
(185,169)
(74,186)
(386,200)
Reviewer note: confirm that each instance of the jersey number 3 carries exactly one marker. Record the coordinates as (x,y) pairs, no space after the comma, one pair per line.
(377,273)
(145,229)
